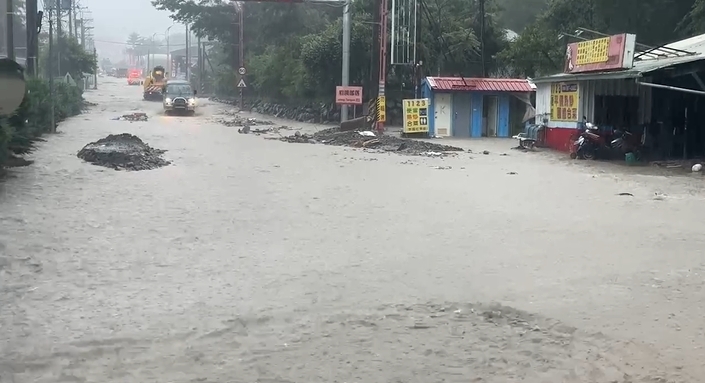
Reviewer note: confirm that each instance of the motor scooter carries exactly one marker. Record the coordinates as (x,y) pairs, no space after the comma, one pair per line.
(626,142)
(589,143)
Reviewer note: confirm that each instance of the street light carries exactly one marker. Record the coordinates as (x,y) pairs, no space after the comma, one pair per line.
(168,51)
(150,48)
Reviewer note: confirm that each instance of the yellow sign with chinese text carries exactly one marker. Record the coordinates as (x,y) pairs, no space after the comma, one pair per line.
(564,102)
(416,115)
(593,51)
(381,109)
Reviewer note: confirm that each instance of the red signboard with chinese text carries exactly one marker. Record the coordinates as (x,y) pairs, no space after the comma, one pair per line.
(348,95)
(607,53)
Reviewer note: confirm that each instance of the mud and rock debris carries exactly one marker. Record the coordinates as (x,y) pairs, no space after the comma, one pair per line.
(123,152)
(239,121)
(133,117)
(366,139)
(258,131)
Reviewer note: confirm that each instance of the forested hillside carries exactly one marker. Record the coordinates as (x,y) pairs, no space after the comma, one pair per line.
(293,51)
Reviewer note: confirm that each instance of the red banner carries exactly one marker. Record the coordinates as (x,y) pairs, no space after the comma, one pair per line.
(607,53)
(348,95)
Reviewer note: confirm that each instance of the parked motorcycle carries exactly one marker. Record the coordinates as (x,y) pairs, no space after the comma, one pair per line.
(626,142)
(589,143)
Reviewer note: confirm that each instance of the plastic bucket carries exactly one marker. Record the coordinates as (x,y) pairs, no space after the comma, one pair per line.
(630,158)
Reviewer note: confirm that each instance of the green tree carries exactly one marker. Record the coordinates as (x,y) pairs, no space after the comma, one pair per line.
(518,14)
(293,51)
(694,22)
(539,49)
(74,60)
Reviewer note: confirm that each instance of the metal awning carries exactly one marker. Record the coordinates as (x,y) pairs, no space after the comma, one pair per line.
(613,75)
(639,70)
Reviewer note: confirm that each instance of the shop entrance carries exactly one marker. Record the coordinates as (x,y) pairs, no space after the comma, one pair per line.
(490,116)
(619,112)
(679,124)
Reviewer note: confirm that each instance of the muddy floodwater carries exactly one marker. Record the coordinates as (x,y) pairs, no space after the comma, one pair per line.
(255,260)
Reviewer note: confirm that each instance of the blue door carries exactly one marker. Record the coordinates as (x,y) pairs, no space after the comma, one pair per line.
(462,107)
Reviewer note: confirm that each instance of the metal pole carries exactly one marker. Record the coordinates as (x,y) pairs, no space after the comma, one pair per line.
(393,37)
(241,48)
(75,21)
(95,70)
(200,66)
(381,98)
(417,66)
(51,70)
(31,8)
(83,34)
(346,56)
(187,61)
(70,19)
(169,67)
(10,33)
(153,53)
(674,88)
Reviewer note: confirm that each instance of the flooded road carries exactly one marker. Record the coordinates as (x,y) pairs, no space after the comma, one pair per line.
(249,260)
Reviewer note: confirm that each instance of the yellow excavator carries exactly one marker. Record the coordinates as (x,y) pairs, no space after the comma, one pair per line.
(154,83)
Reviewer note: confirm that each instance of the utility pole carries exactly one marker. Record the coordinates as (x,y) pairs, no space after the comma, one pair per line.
(187,59)
(58,36)
(75,21)
(199,65)
(482,37)
(70,19)
(32,36)
(10,33)
(381,98)
(346,56)
(169,64)
(95,69)
(241,49)
(50,64)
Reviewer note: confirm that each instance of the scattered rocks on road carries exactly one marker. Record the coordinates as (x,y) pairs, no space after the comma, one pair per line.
(236,120)
(246,124)
(132,117)
(367,139)
(274,129)
(314,112)
(123,152)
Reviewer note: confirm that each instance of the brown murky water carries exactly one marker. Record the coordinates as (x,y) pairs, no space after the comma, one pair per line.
(250,260)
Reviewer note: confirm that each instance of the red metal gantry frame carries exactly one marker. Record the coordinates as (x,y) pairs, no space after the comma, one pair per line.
(383,35)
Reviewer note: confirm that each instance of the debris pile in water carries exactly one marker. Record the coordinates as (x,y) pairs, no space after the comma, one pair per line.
(367,139)
(133,117)
(123,152)
(236,120)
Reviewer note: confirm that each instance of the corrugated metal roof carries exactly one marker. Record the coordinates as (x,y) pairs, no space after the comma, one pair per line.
(694,45)
(480,84)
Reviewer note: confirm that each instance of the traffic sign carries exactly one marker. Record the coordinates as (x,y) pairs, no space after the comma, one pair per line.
(242,84)
(242,71)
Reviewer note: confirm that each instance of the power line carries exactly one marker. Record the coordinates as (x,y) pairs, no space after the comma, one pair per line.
(148,45)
